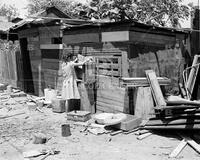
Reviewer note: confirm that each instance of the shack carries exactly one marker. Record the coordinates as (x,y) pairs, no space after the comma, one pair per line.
(120,50)
(40,38)
(126,49)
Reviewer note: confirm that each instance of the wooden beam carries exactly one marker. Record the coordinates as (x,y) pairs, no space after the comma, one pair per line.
(125,65)
(175,127)
(178,149)
(155,88)
(115,36)
(181,121)
(51,46)
(149,37)
(191,142)
(80,38)
(140,137)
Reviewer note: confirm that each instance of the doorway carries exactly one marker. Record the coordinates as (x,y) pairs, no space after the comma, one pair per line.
(28,85)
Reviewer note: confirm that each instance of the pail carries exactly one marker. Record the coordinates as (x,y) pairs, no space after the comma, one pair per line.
(66,130)
(49,94)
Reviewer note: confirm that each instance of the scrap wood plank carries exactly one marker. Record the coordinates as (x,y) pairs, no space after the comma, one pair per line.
(169,122)
(178,107)
(85,99)
(192,76)
(182,90)
(131,131)
(140,137)
(144,104)
(191,142)
(155,88)
(116,132)
(12,114)
(175,127)
(178,149)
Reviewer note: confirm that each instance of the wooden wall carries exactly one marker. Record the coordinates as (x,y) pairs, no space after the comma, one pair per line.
(44,57)
(107,95)
(33,51)
(50,57)
(165,62)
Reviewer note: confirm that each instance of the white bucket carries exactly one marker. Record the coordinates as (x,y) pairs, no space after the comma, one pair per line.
(49,94)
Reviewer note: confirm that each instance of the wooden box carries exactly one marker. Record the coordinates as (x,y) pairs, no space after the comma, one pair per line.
(129,123)
(79,116)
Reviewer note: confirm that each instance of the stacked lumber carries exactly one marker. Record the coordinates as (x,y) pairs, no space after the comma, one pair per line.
(175,113)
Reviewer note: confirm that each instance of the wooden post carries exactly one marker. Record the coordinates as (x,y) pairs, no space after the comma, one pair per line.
(125,65)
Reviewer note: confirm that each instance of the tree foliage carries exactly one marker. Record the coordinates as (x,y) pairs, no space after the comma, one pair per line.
(8,11)
(35,6)
(158,12)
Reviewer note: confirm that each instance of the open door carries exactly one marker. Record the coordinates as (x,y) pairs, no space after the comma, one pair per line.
(26,64)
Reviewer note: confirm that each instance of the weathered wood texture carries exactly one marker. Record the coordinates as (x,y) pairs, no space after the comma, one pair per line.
(9,53)
(111,98)
(110,57)
(87,97)
(155,89)
(143,102)
(149,37)
(191,79)
(35,61)
(168,63)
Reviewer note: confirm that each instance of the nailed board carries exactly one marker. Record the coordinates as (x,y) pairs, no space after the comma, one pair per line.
(155,88)
(87,98)
(143,102)
(111,98)
(109,66)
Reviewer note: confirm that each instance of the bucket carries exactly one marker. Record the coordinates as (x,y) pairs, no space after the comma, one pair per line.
(49,94)
(66,130)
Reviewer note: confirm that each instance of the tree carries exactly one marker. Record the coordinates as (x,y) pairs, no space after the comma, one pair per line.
(8,11)
(159,12)
(35,6)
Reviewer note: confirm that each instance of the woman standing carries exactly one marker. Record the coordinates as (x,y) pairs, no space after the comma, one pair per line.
(70,89)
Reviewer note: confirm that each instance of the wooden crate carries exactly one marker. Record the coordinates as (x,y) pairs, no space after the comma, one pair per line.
(79,116)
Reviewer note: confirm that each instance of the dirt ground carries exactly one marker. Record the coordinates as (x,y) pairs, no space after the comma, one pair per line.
(16,137)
